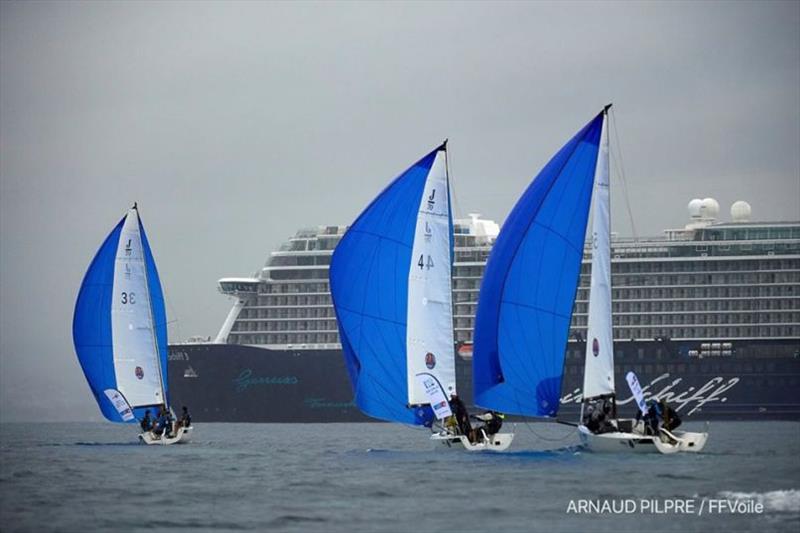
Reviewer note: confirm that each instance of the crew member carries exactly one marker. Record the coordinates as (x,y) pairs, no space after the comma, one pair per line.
(186,418)
(650,418)
(147,421)
(163,426)
(670,418)
(494,423)
(461,414)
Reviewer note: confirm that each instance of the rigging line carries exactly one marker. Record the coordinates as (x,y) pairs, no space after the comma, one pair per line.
(621,176)
(548,439)
(176,320)
(452,184)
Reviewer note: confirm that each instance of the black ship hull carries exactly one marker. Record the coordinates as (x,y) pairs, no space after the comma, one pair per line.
(235,383)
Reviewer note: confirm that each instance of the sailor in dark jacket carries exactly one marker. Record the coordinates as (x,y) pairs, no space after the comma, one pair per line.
(461,414)
(670,418)
(186,418)
(147,421)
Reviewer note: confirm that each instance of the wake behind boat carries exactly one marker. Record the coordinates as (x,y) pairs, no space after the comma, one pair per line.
(120,333)
(390,281)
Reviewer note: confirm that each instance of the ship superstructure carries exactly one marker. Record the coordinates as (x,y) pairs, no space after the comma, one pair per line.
(712,282)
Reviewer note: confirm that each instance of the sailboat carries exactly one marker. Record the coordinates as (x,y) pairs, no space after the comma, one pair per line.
(390,281)
(120,330)
(599,390)
(530,284)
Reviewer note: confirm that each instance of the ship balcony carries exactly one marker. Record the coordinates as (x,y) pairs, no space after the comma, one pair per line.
(238,286)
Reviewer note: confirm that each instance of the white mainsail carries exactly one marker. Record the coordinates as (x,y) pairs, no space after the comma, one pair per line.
(598,377)
(429,337)
(136,359)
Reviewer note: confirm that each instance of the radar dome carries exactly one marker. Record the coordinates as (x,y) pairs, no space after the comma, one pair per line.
(740,211)
(709,208)
(694,208)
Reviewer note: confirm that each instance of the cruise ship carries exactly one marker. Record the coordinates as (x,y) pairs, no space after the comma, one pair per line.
(707,316)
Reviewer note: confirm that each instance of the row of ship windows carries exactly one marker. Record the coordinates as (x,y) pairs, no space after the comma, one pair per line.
(284,338)
(750,353)
(671,282)
(789,276)
(785,323)
(326,332)
(676,320)
(302,245)
(704,250)
(697,298)
(466,291)
(680,369)
(324,319)
(752,234)
(284,325)
(741,311)
(673,306)
(306,306)
(684,332)
(292,288)
(752,278)
(617,267)
(300,260)
(690,273)
(671,267)
(288,275)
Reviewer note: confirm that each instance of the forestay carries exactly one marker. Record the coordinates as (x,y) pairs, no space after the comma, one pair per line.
(390,285)
(529,285)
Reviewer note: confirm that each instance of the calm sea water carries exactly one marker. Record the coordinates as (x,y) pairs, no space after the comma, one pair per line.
(381,477)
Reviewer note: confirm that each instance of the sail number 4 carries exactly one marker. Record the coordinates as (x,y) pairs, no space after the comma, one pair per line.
(422,263)
(128,298)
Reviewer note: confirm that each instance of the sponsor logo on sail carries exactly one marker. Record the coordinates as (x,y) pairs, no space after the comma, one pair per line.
(139,372)
(595,347)
(431,201)
(430,360)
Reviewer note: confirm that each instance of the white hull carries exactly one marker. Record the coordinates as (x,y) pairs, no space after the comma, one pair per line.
(667,443)
(182,436)
(498,442)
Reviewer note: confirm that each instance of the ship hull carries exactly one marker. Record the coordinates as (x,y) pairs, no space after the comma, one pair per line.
(236,383)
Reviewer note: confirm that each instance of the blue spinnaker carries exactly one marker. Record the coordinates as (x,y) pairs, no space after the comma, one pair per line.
(369,274)
(92,322)
(530,282)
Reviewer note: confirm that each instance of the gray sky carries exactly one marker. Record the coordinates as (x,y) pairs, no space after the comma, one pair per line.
(234,124)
